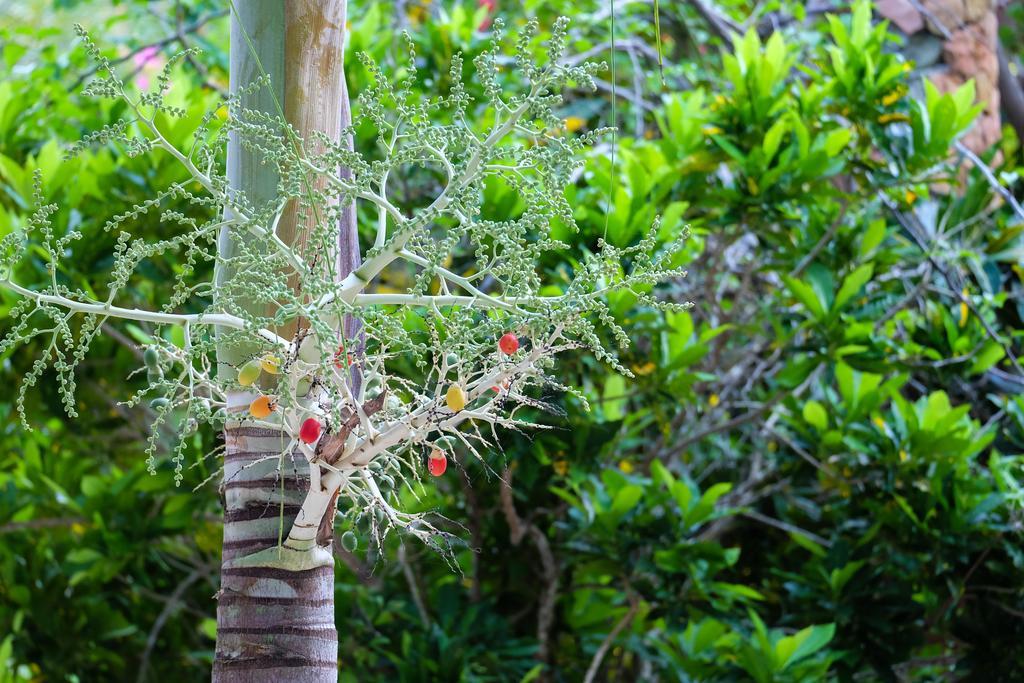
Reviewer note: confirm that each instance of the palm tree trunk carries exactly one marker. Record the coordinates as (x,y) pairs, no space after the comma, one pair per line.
(276,623)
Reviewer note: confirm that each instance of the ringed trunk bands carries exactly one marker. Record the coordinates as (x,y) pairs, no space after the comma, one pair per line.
(277,624)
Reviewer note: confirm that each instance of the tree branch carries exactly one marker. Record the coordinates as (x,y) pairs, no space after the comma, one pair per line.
(595,663)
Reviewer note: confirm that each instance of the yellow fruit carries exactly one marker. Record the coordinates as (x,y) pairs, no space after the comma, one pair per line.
(574,123)
(271,365)
(455,398)
(249,373)
(261,407)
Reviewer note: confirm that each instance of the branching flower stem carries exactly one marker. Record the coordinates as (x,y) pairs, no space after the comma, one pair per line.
(426,374)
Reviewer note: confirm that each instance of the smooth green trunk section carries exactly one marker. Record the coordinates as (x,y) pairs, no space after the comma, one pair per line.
(261,23)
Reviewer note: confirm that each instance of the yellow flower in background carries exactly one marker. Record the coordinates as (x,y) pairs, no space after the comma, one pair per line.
(561,467)
(645,369)
(713,400)
(891,97)
(896,94)
(626,466)
(893,118)
(418,12)
(903,455)
(964,311)
(711,130)
(910,197)
(879,422)
(574,123)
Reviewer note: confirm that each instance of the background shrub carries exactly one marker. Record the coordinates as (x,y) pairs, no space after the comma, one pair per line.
(814,475)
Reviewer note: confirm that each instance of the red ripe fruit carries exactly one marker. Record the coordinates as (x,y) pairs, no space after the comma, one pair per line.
(310,430)
(437,465)
(509,343)
(486,22)
(342,359)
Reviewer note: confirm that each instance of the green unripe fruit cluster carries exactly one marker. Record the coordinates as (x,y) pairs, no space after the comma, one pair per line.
(249,373)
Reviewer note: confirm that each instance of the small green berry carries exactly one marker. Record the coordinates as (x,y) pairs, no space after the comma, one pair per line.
(249,373)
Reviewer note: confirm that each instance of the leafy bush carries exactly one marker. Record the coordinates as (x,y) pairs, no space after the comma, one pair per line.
(815,473)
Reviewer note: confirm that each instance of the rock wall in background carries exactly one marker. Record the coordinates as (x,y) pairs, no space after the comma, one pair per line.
(953,41)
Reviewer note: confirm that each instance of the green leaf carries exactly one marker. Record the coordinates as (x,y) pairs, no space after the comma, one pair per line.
(567,497)
(852,284)
(92,485)
(820,279)
(48,159)
(208,627)
(810,640)
(873,236)
(703,635)
(963,97)
(909,511)
(847,388)
(738,589)
(706,505)
(815,415)
(837,140)
(775,52)
(772,138)
(936,410)
(661,474)
(729,148)
(682,494)
(614,397)
(991,354)
(860,26)
(625,500)
(83,556)
(533,674)
(807,544)
(840,577)
(806,295)
(138,334)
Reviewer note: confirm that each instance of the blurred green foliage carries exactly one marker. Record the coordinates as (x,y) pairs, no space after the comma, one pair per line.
(814,475)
